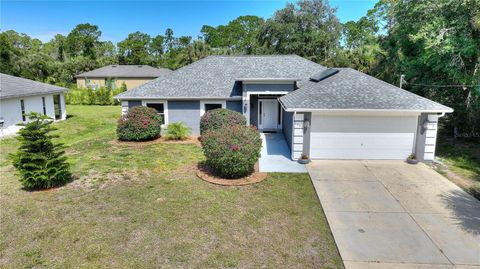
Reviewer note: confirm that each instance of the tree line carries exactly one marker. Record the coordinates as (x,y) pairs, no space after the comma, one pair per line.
(434,43)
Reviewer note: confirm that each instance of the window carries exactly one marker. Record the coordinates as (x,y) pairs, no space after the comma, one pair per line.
(110,83)
(260,112)
(206,105)
(57,106)
(212,106)
(160,108)
(22,107)
(44,107)
(279,116)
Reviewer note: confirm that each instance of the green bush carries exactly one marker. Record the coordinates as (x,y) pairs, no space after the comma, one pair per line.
(140,123)
(87,96)
(177,131)
(40,163)
(232,151)
(218,118)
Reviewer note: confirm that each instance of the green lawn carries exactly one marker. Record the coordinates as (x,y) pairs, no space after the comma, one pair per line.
(462,161)
(143,207)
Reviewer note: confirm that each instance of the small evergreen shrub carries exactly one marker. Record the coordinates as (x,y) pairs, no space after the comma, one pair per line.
(218,118)
(40,162)
(232,152)
(140,123)
(177,131)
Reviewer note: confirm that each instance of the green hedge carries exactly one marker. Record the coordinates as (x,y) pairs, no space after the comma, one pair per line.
(139,124)
(232,151)
(218,118)
(87,96)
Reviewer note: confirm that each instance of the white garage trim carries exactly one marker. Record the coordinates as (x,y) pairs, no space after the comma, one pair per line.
(362,137)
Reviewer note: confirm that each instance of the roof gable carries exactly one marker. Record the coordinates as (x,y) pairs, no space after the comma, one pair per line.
(350,89)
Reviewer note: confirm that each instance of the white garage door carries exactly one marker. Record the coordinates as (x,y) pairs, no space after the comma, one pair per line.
(362,137)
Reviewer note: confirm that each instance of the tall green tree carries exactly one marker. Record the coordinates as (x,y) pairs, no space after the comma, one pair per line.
(308,28)
(83,40)
(436,43)
(238,36)
(135,49)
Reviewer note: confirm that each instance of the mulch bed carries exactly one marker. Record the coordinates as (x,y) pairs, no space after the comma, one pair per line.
(205,174)
(161,140)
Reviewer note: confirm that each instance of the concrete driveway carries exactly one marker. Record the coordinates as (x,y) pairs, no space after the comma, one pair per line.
(389,214)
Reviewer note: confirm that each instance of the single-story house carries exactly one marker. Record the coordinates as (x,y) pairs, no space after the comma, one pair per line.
(20,96)
(116,75)
(325,113)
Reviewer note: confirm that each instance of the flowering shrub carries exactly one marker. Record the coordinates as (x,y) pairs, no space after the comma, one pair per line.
(218,118)
(232,152)
(140,123)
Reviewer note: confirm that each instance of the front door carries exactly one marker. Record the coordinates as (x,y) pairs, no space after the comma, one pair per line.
(268,114)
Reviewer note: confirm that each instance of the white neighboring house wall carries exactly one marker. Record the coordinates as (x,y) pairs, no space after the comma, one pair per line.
(11,112)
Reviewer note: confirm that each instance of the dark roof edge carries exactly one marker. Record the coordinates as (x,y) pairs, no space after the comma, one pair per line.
(34,94)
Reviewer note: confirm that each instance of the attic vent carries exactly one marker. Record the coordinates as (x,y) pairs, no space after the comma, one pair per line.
(324,74)
(140,65)
(114,66)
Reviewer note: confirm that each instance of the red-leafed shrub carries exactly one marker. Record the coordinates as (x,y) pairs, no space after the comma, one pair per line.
(231,152)
(220,117)
(140,123)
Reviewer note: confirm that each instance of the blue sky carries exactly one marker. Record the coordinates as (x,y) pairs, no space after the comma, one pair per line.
(116,19)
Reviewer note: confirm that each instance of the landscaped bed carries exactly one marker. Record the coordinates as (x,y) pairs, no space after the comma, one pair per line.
(145,207)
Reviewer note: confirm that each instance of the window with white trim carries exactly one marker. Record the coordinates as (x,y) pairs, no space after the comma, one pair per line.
(206,105)
(160,108)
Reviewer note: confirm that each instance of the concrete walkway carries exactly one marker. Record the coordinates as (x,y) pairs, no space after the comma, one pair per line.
(275,155)
(389,214)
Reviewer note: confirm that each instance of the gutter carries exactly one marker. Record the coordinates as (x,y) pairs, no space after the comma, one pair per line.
(365,110)
(236,98)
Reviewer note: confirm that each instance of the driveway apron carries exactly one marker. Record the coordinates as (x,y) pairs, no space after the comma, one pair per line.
(389,214)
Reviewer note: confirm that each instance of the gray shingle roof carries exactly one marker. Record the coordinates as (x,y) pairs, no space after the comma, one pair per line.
(129,71)
(216,76)
(11,87)
(351,89)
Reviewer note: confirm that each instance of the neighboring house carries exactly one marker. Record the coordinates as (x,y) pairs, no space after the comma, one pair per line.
(115,75)
(19,96)
(324,113)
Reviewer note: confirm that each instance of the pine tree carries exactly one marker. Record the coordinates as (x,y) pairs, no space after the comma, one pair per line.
(40,162)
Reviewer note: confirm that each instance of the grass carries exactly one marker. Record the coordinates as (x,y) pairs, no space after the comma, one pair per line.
(143,207)
(462,159)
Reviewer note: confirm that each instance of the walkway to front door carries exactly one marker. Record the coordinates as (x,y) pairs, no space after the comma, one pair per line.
(389,214)
(275,155)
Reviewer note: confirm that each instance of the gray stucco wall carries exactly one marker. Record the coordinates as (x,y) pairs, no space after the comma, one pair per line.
(235,106)
(134,103)
(288,127)
(254,110)
(268,87)
(187,112)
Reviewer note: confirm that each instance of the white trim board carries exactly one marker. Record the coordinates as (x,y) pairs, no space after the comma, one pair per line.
(165,108)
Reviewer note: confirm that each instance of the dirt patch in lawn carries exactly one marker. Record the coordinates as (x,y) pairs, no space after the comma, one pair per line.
(206,174)
(161,140)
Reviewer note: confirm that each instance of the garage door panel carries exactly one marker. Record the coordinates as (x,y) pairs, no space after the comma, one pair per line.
(361,145)
(353,137)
